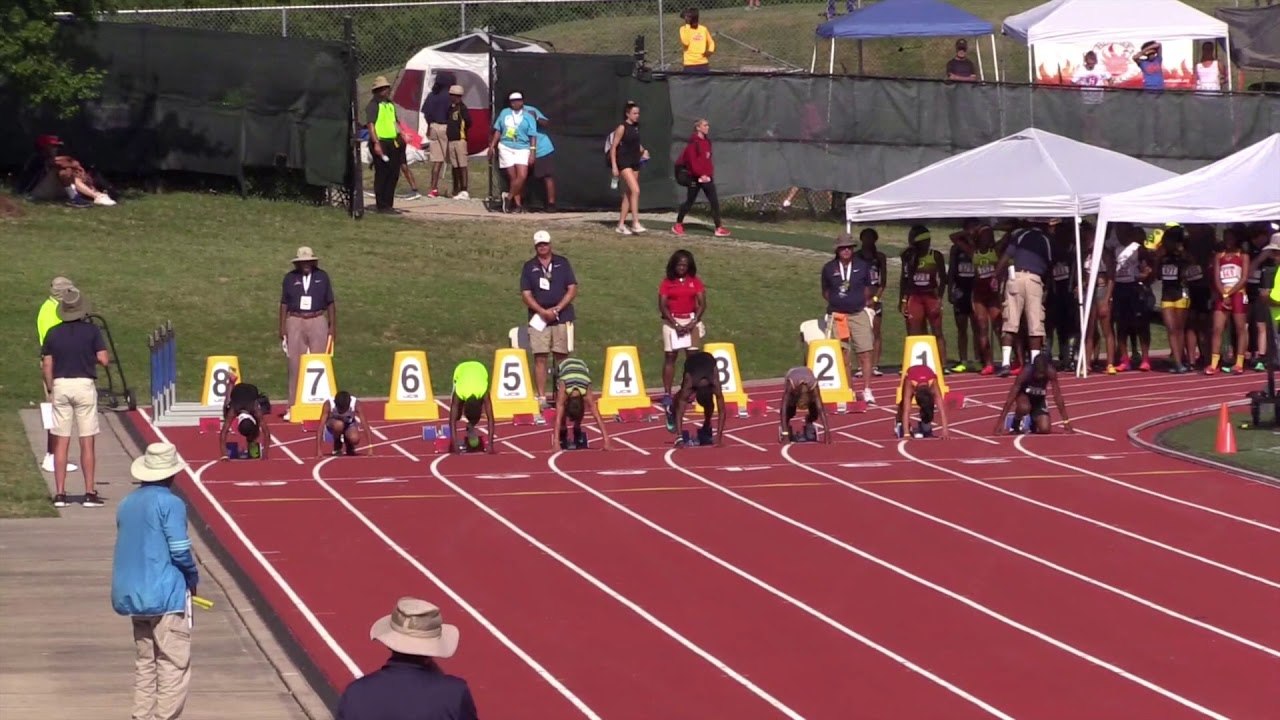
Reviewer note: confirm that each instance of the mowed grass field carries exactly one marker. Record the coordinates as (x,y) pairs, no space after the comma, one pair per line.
(1257,449)
(213,266)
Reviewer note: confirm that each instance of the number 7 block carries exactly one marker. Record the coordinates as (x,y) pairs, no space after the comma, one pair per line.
(316,384)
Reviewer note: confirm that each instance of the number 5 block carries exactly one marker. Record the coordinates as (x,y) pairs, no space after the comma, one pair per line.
(511,385)
(411,397)
(316,384)
(624,383)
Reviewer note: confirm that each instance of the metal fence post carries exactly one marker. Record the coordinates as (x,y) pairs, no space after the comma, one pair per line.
(662,41)
(462,18)
(284,22)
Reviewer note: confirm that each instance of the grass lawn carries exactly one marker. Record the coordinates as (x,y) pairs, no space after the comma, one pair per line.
(212,264)
(1258,449)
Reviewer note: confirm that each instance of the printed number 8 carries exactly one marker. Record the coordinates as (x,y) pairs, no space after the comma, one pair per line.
(722,369)
(221,381)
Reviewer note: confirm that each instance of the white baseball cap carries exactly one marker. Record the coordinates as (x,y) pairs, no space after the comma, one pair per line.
(542,236)
(515,96)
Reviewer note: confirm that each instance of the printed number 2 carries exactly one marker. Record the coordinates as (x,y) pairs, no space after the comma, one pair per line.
(221,381)
(722,369)
(510,378)
(318,372)
(826,363)
(623,375)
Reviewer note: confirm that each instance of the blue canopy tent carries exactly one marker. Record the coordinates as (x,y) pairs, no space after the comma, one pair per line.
(906,18)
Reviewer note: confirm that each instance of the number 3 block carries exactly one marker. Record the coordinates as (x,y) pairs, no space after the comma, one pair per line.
(316,384)
(624,385)
(219,371)
(411,397)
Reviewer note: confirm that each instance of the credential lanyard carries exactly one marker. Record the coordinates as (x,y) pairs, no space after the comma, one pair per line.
(846,272)
(306,284)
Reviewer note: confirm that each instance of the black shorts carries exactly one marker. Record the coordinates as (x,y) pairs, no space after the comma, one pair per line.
(1128,307)
(1201,299)
(1062,312)
(700,366)
(544,167)
(1258,310)
(1039,404)
(962,299)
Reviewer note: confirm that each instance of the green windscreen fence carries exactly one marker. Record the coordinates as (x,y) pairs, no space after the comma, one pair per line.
(178,99)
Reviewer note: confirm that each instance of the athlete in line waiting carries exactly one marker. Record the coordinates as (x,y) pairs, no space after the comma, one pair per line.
(1028,396)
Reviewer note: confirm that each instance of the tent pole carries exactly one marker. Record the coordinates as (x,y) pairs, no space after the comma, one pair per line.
(1230,68)
(1095,261)
(995,57)
(982,70)
(1080,293)
(831,65)
(1031,65)
(813,64)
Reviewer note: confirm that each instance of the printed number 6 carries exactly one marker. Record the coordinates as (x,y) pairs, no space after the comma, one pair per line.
(409,381)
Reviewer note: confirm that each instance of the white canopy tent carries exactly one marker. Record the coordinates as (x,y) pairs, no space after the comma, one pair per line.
(1244,187)
(1028,174)
(1091,21)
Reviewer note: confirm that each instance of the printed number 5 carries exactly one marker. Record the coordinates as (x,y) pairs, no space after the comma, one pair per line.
(510,378)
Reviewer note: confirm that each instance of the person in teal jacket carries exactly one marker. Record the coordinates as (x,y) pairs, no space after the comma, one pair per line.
(153,576)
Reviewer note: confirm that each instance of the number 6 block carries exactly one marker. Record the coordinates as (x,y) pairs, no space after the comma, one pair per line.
(411,397)
(623,386)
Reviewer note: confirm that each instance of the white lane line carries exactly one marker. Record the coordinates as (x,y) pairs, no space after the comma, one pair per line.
(401,450)
(541,671)
(266,565)
(1107,478)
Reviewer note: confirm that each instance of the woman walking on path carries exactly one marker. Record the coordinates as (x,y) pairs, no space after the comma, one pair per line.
(696,160)
(626,155)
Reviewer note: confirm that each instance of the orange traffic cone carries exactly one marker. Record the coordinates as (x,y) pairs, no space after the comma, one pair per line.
(1226,434)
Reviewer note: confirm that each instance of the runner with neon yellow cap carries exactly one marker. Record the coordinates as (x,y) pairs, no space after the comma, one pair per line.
(470,397)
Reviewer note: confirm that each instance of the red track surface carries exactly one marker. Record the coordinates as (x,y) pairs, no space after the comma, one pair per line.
(1051,577)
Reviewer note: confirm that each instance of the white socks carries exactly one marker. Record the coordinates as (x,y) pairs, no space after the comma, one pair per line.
(1006,352)
(1034,353)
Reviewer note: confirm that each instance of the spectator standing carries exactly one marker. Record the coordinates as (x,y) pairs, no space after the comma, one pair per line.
(71,354)
(544,166)
(627,155)
(961,281)
(696,160)
(411,685)
(456,155)
(435,111)
(922,287)
(1209,72)
(308,314)
(682,300)
(879,263)
(697,42)
(1150,60)
(1092,78)
(548,287)
(386,145)
(846,287)
(1260,259)
(515,142)
(960,67)
(153,576)
(1028,257)
(46,319)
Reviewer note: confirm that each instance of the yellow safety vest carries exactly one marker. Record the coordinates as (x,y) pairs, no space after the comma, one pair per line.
(385,125)
(47,318)
(1275,297)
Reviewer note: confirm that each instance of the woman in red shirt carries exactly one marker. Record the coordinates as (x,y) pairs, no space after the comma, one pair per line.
(1231,267)
(682,299)
(696,159)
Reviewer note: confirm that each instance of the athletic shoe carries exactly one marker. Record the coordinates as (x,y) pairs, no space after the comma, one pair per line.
(60,500)
(1260,367)
(988,370)
(1124,366)
(1005,371)
(464,195)
(926,430)
(1211,370)
(47,465)
(868,397)
(677,229)
(897,430)
(412,195)
(637,228)
(721,232)
(104,200)
(622,230)
(810,433)
(433,194)
(92,500)
(1145,366)
(1111,369)
(875,371)
(960,367)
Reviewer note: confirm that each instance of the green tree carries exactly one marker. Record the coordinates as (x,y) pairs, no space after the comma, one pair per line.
(32,65)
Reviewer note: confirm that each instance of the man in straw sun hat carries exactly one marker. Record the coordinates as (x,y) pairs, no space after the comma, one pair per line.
(308,314)
(70,356)
(411,685)
(46,319)
(153,576)
(386,145)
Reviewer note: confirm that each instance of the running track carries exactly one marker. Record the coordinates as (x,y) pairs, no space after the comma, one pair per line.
(1038,577)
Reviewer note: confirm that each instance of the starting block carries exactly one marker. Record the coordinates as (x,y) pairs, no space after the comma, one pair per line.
(441,437)
(522,419)
(695,440)
(310,425)
(954,400)
(757,408)
(844,408)
(635,415)
(210,424)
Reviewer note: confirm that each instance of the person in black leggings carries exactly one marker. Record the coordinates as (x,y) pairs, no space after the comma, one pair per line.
(696,159)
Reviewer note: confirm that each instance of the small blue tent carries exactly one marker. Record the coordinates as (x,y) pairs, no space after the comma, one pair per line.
(904,18)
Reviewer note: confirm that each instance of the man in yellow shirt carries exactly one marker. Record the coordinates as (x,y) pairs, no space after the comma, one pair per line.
(698,43)
(46,319)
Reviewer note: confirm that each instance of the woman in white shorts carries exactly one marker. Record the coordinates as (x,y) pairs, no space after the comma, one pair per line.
(515,142)
(682,299)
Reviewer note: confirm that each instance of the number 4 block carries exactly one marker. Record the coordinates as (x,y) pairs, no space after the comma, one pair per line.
(623,386)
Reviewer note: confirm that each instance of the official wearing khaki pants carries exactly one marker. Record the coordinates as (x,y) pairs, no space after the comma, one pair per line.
(162,668)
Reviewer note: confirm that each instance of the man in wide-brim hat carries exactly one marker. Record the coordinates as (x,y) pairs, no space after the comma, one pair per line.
(45,320)
(411,684)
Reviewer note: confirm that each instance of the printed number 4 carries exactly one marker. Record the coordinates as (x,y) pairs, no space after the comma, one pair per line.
(623,375)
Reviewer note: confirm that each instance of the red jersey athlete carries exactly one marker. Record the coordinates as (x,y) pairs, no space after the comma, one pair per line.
(920,383)
(1230,268)
(923,284)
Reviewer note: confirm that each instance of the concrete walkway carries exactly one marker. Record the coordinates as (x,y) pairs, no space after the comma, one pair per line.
(67,655)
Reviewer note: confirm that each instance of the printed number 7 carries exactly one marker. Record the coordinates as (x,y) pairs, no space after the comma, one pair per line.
(318,372)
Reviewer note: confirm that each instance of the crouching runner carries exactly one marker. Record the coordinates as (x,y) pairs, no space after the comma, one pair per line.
(700,382)
(920,383)
(471,398)
(573,399)
(1028,396)
(800,394)
(345,424)
(248,409)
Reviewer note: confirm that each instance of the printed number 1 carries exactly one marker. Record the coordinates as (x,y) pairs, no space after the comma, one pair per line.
(923,357)
(318,372)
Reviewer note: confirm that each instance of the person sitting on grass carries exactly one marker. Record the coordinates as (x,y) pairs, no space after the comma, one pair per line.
(249,409)
(800,393)
(470,398)
(920,383)
(345,424)
(700,381)
(573,398)
(1028,397)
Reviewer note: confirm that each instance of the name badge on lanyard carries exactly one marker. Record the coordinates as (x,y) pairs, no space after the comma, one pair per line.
(845,273)
(544,282)
(304,302)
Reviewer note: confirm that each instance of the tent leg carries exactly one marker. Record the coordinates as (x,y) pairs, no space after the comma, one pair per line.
(831,64)
(995,57)
(982,67)
(813,63)
(1095,258)
(1081,372)
(1230,68)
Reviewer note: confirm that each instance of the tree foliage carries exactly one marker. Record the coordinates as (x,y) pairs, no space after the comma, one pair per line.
(32,64)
